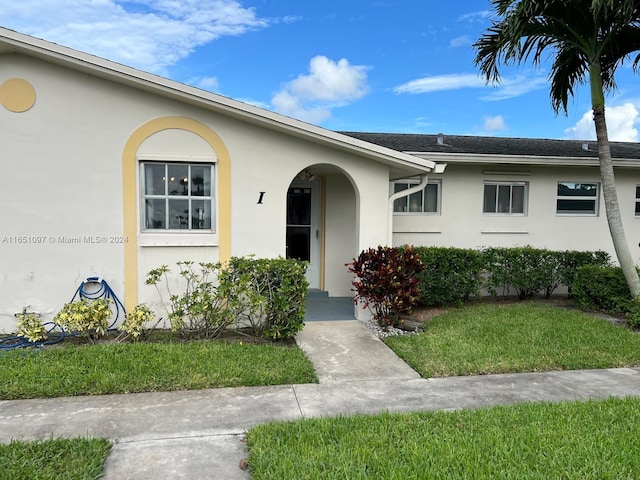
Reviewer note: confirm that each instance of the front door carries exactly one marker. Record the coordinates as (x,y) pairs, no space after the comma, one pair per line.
(303,227)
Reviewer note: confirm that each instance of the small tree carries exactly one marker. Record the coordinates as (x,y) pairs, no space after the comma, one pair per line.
(387,282)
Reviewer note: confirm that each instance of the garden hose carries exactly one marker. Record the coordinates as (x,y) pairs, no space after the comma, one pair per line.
(55,332)
(104,291)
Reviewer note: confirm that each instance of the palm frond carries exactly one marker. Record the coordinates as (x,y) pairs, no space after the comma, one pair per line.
(575,33)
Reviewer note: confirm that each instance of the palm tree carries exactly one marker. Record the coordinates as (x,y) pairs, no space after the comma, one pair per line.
(588,40)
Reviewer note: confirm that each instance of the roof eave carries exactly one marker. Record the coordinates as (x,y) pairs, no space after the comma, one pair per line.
(470,158)
(123,74)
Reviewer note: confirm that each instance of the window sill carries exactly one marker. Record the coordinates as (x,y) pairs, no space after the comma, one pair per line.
(590,214)
(170,239)
(510,232)
(413,214)
(503,214)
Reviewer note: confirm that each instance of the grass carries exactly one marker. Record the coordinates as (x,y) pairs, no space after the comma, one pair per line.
(512,338)
(579,440)
(55,459)
(148,367)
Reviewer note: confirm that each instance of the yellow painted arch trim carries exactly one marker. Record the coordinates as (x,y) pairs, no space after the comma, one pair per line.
(130,193)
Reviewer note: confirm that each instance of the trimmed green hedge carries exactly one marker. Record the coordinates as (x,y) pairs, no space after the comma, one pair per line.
(453,275)
(526,270)
(605,289)
(450,276)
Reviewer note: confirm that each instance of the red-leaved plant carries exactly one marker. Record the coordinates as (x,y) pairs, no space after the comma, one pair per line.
(386,282)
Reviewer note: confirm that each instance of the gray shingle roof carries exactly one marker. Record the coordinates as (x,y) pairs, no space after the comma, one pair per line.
(409,142)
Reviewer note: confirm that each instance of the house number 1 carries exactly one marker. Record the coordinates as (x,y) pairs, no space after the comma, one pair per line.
(261,197)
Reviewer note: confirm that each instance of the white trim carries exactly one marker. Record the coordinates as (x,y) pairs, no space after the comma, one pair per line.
(483,159)
(212,198)
(510,183)
(170,239)
(595,199)
(164,158)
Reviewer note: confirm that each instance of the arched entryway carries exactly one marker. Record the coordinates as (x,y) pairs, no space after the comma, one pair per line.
(322,227)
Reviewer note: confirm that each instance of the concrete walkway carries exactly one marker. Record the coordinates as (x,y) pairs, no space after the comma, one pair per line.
(199,434)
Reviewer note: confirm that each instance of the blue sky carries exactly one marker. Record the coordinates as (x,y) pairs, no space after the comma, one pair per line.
(363,65)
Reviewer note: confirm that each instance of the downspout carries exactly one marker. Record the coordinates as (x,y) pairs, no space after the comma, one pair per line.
(424,180)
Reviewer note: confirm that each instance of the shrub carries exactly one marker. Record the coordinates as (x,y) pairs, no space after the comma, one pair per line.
(387,282)
(135,322)
(605,289)
(31,328)
(572,260)
(527,270)
(450,275)
(202,309)
(89,319)
(267,295)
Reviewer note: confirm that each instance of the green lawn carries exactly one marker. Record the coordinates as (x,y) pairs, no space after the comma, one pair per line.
(148,367)
(55,459)
(588,440)
(510,338)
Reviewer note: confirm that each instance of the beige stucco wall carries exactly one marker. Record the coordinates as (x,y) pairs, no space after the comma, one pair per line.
(62,189)
(461,222)
(341,246)
(63,164)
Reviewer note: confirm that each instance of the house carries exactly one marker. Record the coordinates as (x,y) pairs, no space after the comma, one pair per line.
(513,192)
(110,172)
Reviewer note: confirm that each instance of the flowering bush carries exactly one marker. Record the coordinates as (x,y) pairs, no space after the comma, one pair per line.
(387,282)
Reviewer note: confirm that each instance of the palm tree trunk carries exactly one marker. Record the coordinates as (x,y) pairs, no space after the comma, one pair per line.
(612,208)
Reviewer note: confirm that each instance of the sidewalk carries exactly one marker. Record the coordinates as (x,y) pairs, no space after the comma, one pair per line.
(199,434)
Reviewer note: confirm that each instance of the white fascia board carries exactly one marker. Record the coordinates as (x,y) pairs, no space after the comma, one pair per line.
(469,158)
(102,68)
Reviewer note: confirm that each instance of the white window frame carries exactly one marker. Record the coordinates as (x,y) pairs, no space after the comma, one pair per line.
(177,237)
(511,184)
(412,183)
(590,198)
(637,209)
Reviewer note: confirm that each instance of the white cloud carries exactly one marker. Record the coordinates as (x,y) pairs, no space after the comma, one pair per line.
(516,87)
(147,34)
(476,17)
(508,88)
(494,124)
(620,125)
(438,83)
(328,85)
(463,41)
